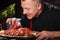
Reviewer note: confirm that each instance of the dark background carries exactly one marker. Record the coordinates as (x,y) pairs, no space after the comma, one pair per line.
(5,3)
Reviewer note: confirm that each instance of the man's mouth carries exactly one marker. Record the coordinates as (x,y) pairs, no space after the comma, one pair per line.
(28,14)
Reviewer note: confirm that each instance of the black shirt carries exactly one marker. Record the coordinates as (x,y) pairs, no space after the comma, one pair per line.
(48,20)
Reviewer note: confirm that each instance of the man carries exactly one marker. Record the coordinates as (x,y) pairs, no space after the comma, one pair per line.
(39,17)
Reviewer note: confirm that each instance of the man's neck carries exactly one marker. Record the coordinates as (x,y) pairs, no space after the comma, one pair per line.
(40,11)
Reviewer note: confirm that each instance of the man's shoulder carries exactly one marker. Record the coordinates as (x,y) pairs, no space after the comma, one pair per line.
(51,7)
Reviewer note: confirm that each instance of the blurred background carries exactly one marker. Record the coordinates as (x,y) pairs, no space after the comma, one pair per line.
(12,8)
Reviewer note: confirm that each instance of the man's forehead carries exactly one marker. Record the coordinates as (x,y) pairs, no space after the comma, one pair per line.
(29,0)
(33,1)
(26,0)
(27,4)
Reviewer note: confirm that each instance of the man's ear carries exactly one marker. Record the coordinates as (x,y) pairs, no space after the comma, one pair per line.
(39,6)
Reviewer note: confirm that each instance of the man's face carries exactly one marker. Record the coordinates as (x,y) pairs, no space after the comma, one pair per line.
(30,8)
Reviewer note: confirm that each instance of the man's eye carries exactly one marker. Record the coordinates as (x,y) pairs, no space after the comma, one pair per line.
(26,8)
(23,0)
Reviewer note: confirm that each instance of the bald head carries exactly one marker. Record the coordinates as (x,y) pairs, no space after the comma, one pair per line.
(39,1)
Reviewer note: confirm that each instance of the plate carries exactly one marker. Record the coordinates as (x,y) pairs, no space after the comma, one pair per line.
(24,37)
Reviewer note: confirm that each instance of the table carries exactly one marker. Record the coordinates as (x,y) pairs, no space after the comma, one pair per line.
(21,38)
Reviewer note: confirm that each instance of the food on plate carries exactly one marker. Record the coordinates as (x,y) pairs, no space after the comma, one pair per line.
(2,32)
(19,32)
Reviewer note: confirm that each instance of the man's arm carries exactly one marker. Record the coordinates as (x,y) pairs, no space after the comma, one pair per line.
(48,34)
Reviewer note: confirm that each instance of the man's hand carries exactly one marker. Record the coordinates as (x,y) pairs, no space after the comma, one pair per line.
(44,35)
(13,22)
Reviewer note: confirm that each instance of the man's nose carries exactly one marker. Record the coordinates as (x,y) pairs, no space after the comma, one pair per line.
(24,12)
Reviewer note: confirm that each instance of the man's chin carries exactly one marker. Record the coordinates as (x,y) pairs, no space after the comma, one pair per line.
(29,18)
